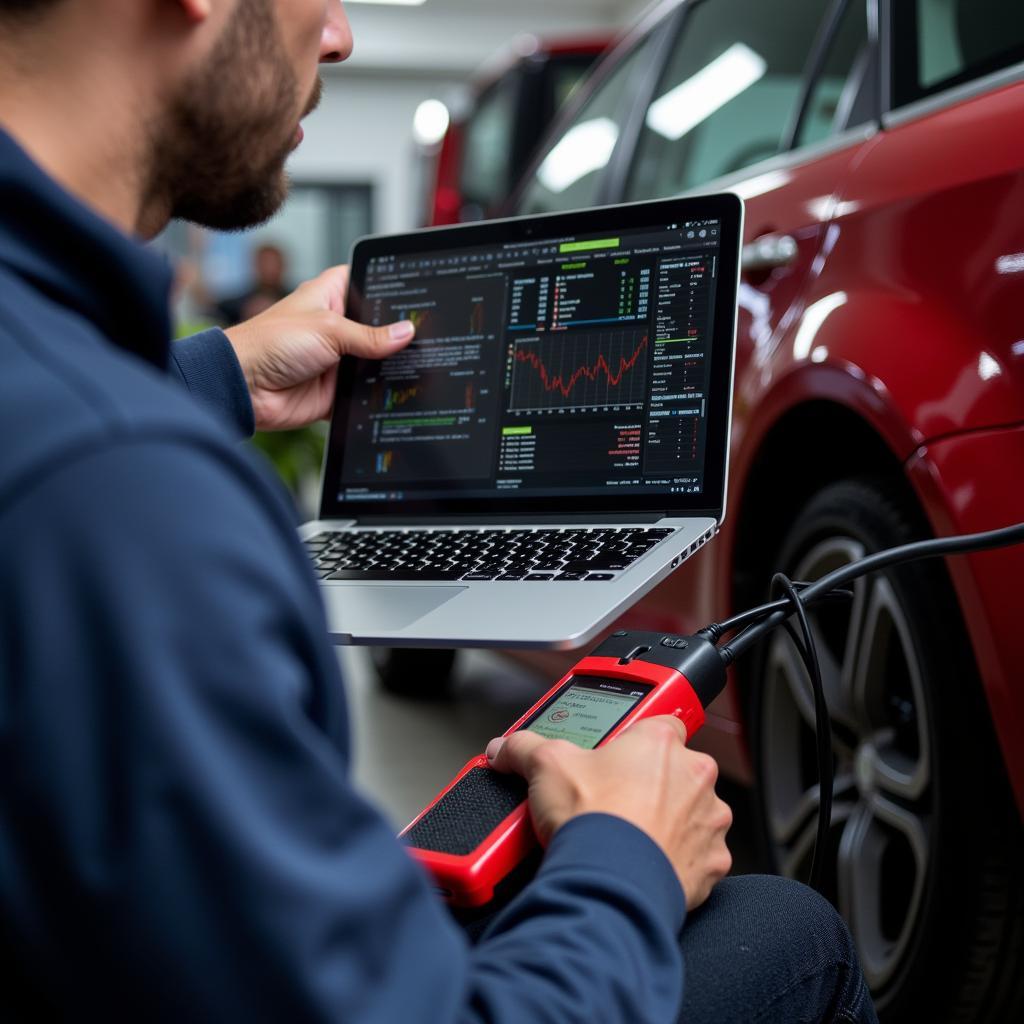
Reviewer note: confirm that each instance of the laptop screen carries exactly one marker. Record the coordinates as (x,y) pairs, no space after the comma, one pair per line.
(573,367)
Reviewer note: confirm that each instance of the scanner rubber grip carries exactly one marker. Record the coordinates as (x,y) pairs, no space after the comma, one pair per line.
(468,813)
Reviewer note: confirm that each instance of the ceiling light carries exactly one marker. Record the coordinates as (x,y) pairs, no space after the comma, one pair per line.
(430,122)
(696,99)
(584,148)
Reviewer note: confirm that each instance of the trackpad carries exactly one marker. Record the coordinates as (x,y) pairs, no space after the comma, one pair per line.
(363,608)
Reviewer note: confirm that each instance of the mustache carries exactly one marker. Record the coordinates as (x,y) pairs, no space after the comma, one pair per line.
(314,97)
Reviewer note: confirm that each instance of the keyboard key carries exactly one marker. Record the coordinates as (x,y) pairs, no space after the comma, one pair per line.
(492,553)
(597,577)
(537,576)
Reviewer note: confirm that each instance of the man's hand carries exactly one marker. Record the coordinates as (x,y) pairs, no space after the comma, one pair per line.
(290,353)
(647,776)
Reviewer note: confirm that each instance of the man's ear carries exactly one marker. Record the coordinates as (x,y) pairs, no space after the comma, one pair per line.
(195,10)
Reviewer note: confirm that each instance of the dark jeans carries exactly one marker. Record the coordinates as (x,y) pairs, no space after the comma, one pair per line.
(766,950)
(763,950)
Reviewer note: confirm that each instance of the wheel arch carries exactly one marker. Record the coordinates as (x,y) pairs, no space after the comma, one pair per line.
(813,444)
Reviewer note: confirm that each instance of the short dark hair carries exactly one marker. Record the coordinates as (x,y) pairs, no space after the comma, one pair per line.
(26,8)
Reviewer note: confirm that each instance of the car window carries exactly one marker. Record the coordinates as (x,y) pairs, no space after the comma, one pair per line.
(728,94)
(830,104)
(941,43)
(570,174)
(488,140)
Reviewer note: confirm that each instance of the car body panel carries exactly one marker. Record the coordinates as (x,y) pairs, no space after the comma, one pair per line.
(969,483)
(904,308)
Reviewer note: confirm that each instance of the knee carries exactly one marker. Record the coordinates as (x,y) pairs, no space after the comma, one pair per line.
(772,943)
(790,915)
(784,922)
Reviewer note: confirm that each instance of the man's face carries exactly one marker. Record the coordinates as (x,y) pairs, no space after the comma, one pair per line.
(219,151)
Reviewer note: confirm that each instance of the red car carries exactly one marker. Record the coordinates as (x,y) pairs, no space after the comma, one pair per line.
(879,397)
(513,101)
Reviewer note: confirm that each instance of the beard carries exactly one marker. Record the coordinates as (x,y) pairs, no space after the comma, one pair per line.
(218,152)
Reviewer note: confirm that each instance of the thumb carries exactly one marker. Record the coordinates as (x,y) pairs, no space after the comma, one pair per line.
(369,342)
(515,753)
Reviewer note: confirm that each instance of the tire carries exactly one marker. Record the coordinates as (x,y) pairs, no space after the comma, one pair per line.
(925,855)
(419,674)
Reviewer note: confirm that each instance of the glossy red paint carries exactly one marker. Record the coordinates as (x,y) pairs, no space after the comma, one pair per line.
(904,309)
(968,483)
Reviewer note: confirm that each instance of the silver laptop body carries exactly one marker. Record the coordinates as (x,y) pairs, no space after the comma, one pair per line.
(569,389)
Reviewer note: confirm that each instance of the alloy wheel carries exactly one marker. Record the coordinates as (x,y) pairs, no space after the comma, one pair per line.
(880,841)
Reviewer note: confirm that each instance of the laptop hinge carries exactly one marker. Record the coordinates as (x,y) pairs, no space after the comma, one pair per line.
(610,517)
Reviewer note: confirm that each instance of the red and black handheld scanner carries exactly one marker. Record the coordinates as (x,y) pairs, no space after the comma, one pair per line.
(477,830)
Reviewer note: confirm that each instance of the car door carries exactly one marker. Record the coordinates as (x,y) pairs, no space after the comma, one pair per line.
(772,101)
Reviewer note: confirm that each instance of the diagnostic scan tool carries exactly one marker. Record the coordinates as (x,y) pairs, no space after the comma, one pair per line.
(478,830)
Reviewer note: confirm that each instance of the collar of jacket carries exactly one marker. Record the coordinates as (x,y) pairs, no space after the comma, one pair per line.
(64,250)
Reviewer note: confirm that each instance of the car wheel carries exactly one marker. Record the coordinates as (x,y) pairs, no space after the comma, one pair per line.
(924,859)
(421,674)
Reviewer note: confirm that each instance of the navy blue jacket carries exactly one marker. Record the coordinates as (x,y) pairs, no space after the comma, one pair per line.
(179,837)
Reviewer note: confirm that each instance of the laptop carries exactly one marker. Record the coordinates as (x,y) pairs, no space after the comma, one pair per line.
(552,444)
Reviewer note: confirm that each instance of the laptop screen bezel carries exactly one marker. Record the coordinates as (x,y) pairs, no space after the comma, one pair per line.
(727,207)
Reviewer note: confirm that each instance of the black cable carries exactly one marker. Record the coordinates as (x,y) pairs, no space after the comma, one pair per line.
(716,630)
(758,622)
(822,724)
(872,563)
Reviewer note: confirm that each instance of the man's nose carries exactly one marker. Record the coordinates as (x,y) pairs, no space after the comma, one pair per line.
(336,43)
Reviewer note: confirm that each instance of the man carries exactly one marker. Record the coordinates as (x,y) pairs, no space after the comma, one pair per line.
(178,836)
(268,286)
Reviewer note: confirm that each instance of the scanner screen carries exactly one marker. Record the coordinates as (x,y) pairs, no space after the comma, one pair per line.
(587,709)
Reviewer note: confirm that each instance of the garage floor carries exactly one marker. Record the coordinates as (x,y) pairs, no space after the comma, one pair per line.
(405,751)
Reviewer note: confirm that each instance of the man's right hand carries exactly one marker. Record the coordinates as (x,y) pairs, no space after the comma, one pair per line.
(647,776)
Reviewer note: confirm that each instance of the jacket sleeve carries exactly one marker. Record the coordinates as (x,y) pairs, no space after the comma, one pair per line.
(207,365)
(180,835)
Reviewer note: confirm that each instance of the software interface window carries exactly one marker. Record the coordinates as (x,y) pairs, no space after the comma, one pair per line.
(549,367)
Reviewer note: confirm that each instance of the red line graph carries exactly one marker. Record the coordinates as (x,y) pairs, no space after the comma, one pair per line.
(562,382)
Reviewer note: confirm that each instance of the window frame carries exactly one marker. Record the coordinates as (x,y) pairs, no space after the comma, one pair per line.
(789,152)
(951,90)
(869,62)
(665,19)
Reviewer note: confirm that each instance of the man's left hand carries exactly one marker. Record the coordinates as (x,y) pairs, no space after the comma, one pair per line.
(290,353)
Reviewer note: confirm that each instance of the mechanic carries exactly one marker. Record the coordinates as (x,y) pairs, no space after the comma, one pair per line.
(179,838)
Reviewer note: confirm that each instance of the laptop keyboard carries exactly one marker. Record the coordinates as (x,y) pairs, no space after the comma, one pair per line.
(540,555)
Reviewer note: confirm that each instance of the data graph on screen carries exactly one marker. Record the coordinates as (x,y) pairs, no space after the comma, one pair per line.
(579,371)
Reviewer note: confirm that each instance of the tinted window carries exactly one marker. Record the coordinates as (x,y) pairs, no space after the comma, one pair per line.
(488,143)
(941,43)
(728,95)
(570,174)
(831,104)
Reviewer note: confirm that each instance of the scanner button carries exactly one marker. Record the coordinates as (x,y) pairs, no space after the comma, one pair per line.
(673,641)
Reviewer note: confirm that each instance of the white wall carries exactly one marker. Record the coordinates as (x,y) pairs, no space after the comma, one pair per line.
(362,132)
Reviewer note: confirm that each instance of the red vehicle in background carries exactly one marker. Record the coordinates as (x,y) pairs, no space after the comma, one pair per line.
(513,101)
(879,145)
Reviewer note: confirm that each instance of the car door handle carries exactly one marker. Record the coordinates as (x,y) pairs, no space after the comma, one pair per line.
(769,252)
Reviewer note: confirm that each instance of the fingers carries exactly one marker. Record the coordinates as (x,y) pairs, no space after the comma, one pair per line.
(666,727)
(332,285)
(516,753)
